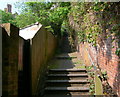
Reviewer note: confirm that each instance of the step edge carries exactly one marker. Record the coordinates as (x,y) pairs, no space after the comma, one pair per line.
(67,70)
(68,74)
(67,88)
(69,81)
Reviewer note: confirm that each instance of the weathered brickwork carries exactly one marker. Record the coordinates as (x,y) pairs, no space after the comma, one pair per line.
(9,59)
(106,59)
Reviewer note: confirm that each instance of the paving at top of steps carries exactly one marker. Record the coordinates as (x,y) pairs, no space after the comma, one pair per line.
(67,61)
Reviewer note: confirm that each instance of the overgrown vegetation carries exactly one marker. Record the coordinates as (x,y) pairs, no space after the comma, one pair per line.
(91,79)
(6,17)
(96,22)
(49,14)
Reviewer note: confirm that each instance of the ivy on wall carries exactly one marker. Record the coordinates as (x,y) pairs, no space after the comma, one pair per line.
(97,21)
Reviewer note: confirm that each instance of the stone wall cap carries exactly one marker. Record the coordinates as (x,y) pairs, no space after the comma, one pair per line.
(6,26)
(29,31)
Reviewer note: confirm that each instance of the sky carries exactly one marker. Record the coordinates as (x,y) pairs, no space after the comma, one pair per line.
(3,4)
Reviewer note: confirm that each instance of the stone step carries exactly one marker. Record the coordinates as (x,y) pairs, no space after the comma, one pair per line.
(69,95)
(67,84)
(68,75)
(65,57)
(52,72)
(67,70)
(67,81)
(67,88)
(67,78)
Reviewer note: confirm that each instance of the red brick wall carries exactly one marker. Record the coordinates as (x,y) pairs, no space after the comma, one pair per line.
(109,61)
(106,59)
(104,54)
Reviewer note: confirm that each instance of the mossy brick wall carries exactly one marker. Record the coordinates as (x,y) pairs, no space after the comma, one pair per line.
(9,60)
(103,55)
(42,48)
(106,59)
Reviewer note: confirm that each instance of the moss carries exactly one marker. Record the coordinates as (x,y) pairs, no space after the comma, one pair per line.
(79,62)
(52,66)
(81,67)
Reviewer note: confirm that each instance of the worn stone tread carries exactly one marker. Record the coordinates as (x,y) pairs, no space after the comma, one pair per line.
(65,95)
(68,88)
(65,57)
(67,81)
(56,95)
(70,75)
(69,70)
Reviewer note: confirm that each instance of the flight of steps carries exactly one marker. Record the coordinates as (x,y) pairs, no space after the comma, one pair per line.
(67,83)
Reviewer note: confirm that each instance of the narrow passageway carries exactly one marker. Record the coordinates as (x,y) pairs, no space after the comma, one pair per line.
(67,75)
(60,49)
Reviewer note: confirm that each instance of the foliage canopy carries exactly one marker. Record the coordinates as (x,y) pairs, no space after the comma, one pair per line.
(49,14)
(6,17)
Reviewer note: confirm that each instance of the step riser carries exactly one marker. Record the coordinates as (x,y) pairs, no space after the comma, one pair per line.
(67,92)
(66,58)
(67,75)
(63,72)
(66,81)
(67,78)
(64,78)
(67,88)
(80,82)
(68,95)
(66,85)
(67,70)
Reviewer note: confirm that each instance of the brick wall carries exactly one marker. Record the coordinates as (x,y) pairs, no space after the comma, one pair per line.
(105,57)
(103,54)
(109,61)
(9,59)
